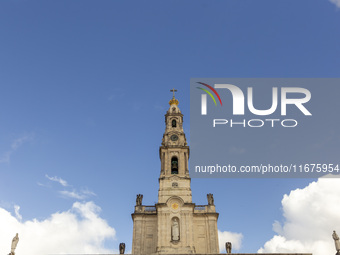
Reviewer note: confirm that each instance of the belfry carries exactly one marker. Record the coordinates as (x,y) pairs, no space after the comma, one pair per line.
(174,225)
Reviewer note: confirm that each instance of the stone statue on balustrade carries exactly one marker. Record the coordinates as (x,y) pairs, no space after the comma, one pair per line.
(15,241)
(121,248)
(337,242)
(210,199)
(228,247)
(139,199)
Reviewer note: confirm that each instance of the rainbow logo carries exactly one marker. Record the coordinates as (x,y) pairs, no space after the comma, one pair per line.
(209,93)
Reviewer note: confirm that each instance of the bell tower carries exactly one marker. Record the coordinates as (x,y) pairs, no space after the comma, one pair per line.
(174,178)
(174,225)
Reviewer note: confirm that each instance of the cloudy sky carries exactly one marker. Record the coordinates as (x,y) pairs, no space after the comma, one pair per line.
(84,89)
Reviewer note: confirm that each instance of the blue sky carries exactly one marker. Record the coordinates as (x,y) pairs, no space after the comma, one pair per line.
(85,86)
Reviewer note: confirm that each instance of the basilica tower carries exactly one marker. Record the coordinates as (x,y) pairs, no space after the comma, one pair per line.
(174,155)
(174,225)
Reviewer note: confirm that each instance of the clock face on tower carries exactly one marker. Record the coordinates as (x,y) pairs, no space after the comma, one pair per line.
(174,138)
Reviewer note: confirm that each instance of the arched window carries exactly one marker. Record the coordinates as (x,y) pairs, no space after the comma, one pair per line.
(174,165)
(173,123)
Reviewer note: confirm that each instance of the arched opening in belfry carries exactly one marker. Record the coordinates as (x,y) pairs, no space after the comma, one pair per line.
(173,123)
(174,165)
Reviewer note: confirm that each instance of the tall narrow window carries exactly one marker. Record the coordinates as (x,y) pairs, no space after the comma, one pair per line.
(173,123)
(174,165)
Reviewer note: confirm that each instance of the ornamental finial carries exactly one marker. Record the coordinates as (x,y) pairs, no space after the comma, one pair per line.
(173,100)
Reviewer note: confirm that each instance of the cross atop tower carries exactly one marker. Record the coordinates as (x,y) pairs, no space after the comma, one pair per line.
(173,92)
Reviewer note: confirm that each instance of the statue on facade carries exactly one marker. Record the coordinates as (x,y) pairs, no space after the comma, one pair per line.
(210,199)
(121,248)
(175,230)
(139,199)
(15,241)
(228,247)
(337,242)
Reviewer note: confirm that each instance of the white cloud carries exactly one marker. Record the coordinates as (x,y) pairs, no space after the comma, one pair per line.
(77,195)
(44,185)
(72,194)
(17,214)
(57,179)
(88,192)
(17,143)
(234,238)
(336,2)
(79,230)
(311,214)
(82,194)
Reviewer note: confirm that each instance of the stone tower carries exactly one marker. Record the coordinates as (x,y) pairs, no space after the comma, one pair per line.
(175,225)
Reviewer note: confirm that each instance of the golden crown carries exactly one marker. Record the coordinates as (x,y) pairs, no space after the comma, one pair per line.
(173,101)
